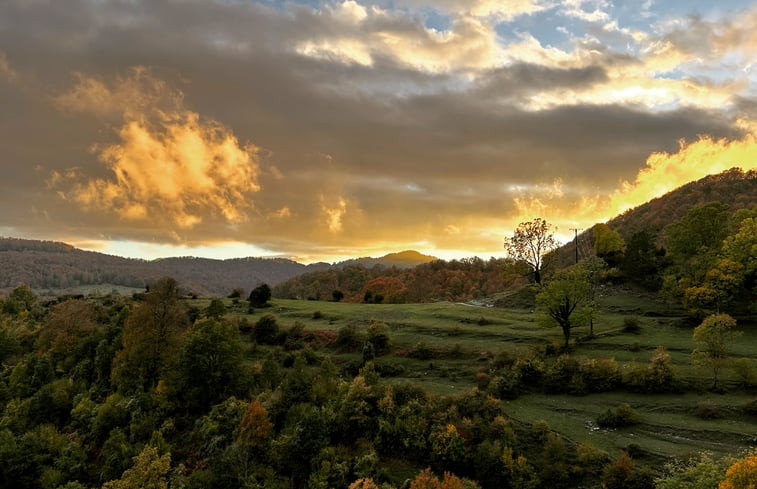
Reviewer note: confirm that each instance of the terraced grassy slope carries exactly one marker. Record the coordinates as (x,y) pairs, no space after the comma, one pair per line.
(462,340)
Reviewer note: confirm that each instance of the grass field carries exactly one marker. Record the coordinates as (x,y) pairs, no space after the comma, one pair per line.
(465,339)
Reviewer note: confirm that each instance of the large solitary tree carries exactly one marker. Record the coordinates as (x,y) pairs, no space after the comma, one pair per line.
(565,300)
(712,339)
(530,242)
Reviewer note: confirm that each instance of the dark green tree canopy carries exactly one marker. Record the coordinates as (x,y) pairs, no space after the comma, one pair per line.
(564,299)
(260,295)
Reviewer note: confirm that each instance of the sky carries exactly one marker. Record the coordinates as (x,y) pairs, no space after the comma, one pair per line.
(323,130)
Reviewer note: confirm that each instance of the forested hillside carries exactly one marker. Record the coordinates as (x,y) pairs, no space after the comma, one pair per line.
(45,265)
(58,267)
(456,280)
(734,188)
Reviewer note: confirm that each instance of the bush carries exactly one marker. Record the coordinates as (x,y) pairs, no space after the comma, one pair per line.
(707,410)
(657,376)
(600,374)
(505,386)
(621,416)
(750,407)
(421,351)
(745,371)
(266,329)
(244,326)
(347,337)
(631,324)
(378,335)
(540,429)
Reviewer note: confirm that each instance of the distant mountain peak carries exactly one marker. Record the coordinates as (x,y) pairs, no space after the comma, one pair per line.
(402,259)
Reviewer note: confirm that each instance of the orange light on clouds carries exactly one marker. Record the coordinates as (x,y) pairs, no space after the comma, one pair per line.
(662,173)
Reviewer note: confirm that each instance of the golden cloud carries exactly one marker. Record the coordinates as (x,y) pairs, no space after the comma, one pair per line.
(6,71)
(169,166)
(132,96)
(334,215)
(662,173)
(470,43)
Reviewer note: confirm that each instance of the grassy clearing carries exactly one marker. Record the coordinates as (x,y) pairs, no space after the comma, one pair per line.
(464,340)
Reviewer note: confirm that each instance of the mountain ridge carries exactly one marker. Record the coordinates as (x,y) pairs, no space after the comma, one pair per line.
(56,267)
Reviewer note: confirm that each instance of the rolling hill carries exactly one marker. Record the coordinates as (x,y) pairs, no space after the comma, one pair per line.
(53,268)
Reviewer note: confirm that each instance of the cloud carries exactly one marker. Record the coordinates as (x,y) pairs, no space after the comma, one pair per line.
(6,71)
(502,10)
(131,96)
(335,214)
(168,167)
(365,36)
(375,124)
(576,9)
(662,173)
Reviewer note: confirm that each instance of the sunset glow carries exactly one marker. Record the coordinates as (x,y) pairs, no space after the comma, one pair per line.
(322,130)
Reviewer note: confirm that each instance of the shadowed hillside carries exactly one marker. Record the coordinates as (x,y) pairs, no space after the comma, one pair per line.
(735,188)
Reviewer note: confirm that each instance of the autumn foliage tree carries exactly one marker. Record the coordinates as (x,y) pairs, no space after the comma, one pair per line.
(67,324)
(712,338)
(530,242)
(742,474)
(151,336)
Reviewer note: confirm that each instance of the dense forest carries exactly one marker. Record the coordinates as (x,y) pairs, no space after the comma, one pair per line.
(439,280)
(51,266)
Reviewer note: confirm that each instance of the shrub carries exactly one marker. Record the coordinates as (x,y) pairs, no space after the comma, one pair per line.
(742,474)
(657,376)
(660,373)
(266,329)
(707,410)
(482,380)
(421,351)
(591,459)
(505,386)
(750,407)
(600,374)
(631,324)
(745,371)
(347,337)
(529,370)
(378,335)
(540,429)
(621,416)
(295,337)
(559,375)
(244,326)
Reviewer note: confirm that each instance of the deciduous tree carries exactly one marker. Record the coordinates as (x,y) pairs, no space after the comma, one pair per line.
(530,242)
(742,474)
(260,295)
(564,298)
(151,336)
(712,338)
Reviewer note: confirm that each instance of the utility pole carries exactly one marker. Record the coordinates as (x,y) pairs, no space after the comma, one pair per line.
(575,240)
